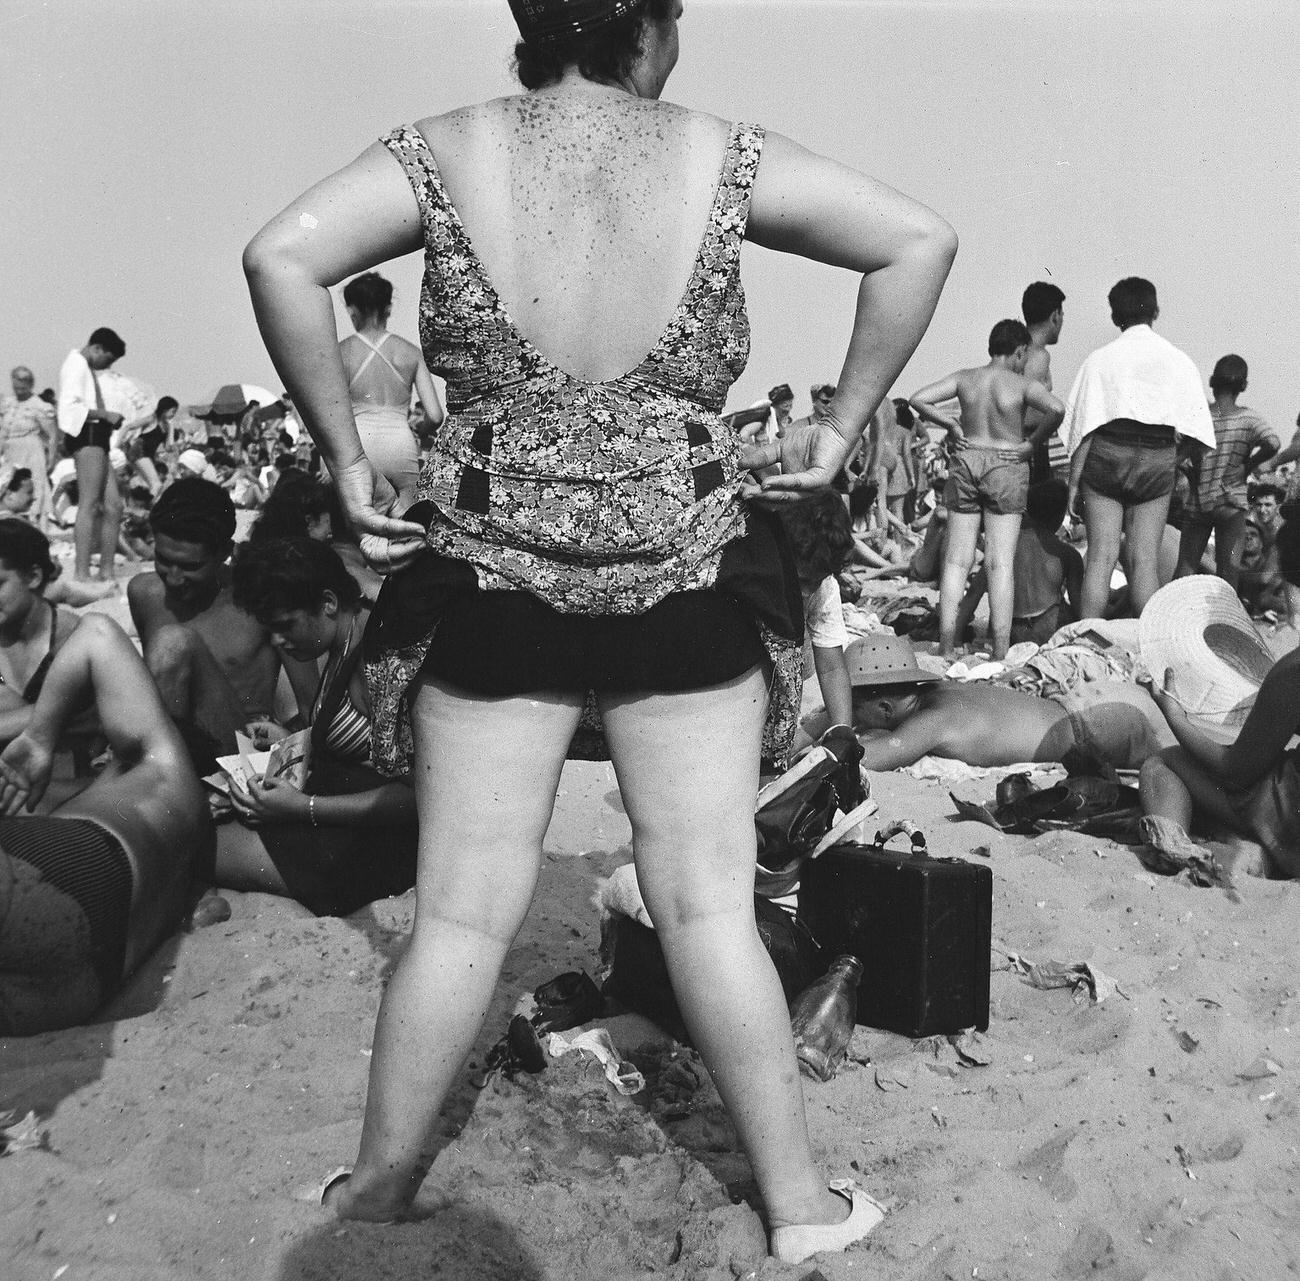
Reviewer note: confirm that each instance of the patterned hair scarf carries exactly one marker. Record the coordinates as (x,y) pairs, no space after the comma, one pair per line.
(547,20)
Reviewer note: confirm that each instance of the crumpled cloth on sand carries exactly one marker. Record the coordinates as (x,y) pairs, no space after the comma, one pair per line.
(1079,975)
(1169,851)
(596,1041)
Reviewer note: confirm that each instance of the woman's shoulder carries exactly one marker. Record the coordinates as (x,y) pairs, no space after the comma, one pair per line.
(454,128)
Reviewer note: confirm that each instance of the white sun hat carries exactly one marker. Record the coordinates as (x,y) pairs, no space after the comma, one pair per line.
(1196,629)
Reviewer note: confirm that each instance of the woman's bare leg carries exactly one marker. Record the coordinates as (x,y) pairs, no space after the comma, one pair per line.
(485,779)
(1103,518)
(687,767)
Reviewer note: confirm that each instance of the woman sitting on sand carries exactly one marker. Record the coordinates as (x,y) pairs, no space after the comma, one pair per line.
(587,530)
(350,837)
(87,892)
(1252,784)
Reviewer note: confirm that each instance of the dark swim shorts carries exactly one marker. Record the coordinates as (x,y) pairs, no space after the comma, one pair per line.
(1132,464)
(96,435)
(987,480)
(503,644)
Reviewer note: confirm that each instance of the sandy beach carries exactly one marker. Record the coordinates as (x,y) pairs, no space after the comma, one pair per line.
(1152,1134)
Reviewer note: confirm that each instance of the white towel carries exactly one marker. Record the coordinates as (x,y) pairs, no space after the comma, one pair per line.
(1143,377)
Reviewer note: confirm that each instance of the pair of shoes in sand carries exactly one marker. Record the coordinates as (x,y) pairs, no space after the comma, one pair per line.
(791,1244)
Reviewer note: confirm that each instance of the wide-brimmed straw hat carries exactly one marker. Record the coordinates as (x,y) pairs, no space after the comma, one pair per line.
(884,659)
(1198,631)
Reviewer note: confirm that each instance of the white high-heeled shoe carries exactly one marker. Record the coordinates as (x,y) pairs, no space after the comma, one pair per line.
(801,1241)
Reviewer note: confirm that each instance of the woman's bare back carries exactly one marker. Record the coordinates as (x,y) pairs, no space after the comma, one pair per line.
(586,211)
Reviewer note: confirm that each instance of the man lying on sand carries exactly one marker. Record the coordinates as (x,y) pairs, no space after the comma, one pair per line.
(902,713)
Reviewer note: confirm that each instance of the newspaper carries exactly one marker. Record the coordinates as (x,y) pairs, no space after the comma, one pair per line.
(288,760)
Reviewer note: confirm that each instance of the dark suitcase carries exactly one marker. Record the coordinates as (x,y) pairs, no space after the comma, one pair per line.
(921,926)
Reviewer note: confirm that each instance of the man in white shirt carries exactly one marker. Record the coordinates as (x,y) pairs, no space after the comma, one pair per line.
(87,426)
(1131,402)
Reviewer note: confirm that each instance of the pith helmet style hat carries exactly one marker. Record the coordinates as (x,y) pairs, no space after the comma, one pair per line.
(884,659)
(1197,629)
(544,20)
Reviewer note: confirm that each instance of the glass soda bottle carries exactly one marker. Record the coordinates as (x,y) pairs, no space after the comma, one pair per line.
(823,1016)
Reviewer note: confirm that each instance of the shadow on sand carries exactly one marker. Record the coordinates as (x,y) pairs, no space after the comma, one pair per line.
(459,1244)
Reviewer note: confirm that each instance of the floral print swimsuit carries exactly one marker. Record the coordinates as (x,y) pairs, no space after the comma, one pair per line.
(597,497)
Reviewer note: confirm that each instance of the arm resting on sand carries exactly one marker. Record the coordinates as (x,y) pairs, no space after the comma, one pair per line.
(904,745)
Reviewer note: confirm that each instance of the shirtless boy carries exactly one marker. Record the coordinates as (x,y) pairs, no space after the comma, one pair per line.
(901,713)
(1043,307)
(213,664)
(989,475)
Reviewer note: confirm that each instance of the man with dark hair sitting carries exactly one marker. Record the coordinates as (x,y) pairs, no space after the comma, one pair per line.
(213,664)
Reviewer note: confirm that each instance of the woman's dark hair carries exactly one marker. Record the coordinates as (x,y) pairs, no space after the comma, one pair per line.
(20,477)
(296,499)
(24,549)
(370,294)
(289,573)
(609,53)
(821,536)
(164,404)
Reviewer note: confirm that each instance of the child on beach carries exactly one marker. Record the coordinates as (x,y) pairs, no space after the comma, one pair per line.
(988,478)
(822,540)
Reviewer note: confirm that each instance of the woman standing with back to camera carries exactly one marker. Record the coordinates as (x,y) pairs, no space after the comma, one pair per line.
(589,529)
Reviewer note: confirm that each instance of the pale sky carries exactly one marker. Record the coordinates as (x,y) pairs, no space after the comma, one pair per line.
(1077,141)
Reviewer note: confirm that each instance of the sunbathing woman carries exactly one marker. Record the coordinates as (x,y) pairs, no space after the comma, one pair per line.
(321,845)
(1252,784)
(87,892)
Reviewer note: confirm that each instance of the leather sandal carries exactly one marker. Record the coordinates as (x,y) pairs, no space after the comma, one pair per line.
(801,1241)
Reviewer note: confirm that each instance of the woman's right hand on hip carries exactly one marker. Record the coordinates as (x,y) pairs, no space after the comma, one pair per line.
(368,499)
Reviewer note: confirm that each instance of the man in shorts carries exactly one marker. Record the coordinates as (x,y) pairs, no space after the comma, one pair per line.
(1131,402)
(988,478)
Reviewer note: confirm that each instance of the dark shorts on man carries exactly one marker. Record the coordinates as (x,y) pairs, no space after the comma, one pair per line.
(95,434)
(1131,462)
(987,480)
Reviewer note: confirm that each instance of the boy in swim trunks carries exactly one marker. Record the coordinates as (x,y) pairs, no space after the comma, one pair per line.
(988,478)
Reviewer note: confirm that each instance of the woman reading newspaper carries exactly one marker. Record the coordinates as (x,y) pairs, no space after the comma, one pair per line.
(316,842)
